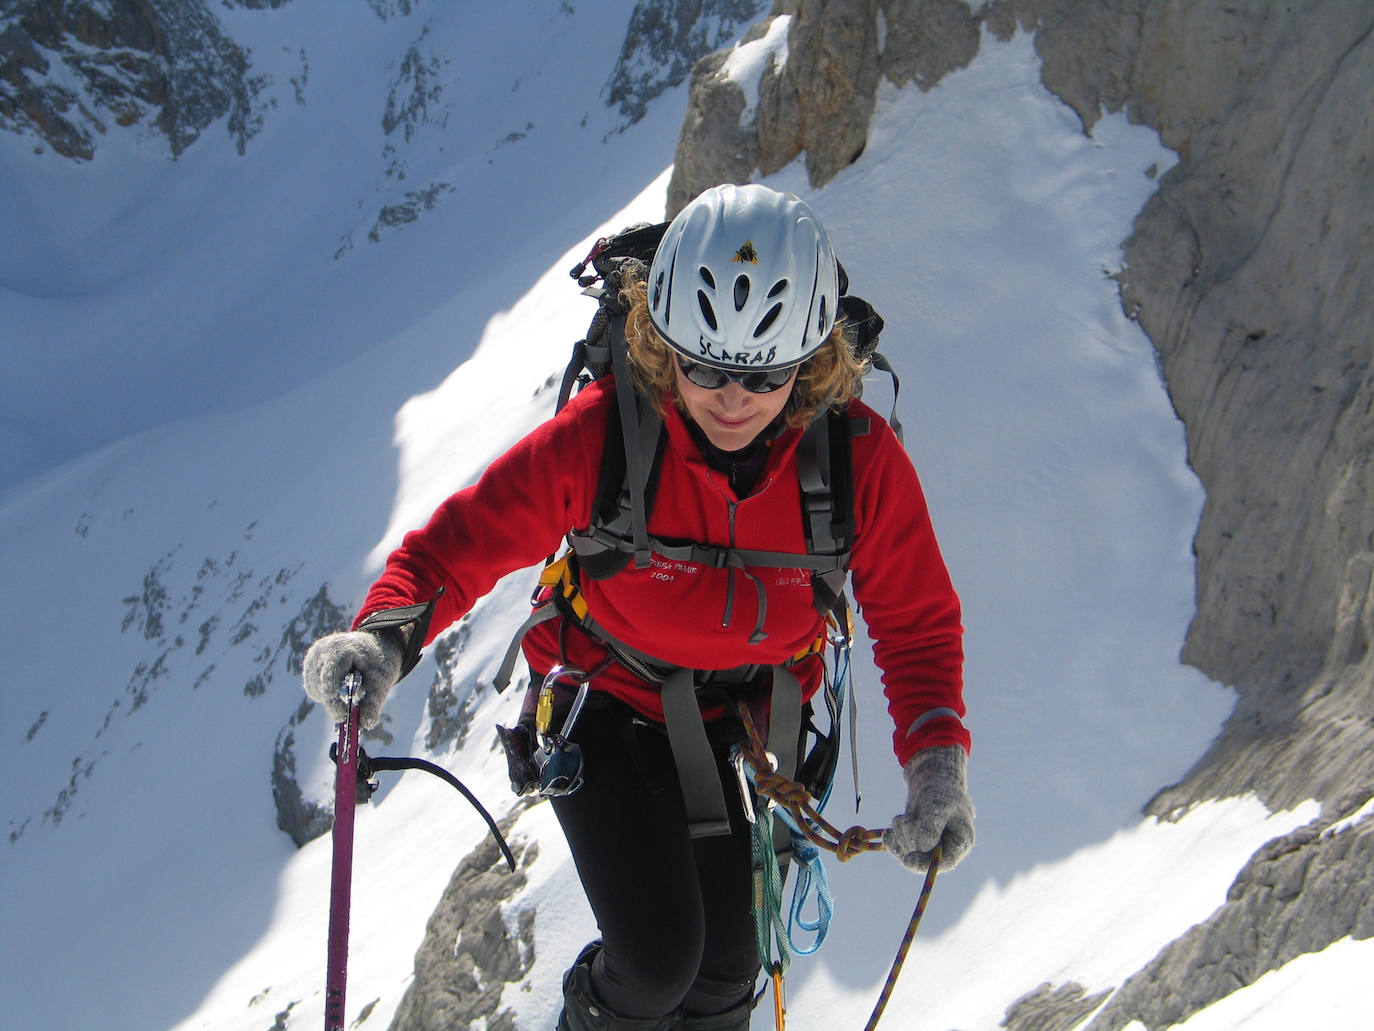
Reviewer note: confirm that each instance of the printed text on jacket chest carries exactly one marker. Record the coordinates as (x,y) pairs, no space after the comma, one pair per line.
(669,570)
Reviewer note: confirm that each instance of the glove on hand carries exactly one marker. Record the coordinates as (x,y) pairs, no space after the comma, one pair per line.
(377,656)
(938,810)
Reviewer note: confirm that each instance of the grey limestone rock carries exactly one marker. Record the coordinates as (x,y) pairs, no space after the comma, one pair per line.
(1297,895)
(663,40)
(473,948)
(818,103)
(1051,1008)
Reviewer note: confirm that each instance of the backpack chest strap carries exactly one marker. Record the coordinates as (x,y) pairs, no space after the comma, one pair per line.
(594,541)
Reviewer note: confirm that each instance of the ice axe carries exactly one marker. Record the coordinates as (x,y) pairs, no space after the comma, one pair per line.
(341,879)
(354,784)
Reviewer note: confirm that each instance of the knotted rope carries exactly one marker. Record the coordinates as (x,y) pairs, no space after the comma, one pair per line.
(799,804)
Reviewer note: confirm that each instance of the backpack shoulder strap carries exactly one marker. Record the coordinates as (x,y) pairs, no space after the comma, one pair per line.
(824,468)
(640,428)
(618,531)
(634,436)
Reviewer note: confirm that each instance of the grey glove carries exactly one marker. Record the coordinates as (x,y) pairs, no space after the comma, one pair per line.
(377,656)
(938,810)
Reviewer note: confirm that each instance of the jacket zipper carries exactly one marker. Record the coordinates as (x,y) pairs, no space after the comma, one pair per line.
(730,571)
(730,507)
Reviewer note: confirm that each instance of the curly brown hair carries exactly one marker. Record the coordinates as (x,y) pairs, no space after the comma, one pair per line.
(830,378)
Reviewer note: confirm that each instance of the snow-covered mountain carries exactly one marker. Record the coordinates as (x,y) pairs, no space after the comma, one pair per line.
(241,360)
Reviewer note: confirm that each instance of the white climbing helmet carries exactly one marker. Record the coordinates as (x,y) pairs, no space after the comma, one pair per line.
(744,277)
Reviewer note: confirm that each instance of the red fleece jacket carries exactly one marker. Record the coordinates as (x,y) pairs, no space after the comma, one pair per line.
(526,500)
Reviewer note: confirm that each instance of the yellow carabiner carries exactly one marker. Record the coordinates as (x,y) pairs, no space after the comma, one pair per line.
(543,709)
(779,996)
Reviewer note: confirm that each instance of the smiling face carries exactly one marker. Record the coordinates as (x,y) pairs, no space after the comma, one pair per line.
(730,416)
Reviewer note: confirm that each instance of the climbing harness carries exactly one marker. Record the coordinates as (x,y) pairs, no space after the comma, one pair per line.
(557,594)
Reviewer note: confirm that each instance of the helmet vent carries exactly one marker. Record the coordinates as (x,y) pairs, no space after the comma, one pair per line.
(769,317)
(778,288)
(706,310)
(665,278)
(706,276)
(820,322)
(741,292)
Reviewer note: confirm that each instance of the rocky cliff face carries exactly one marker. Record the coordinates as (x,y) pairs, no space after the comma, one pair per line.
(1246,269)
(72,71)
(663,41)
(473,947)
(1249,270)
(818,100)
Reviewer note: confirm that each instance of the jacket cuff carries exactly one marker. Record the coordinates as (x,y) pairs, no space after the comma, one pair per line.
(939,726)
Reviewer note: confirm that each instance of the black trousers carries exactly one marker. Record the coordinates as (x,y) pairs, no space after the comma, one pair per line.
(674,911)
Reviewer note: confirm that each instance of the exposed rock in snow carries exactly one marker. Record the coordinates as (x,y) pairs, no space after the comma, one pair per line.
(1298,895)
(663,40)
(70,73)
(1051,1008)
(818,102)
(473,947)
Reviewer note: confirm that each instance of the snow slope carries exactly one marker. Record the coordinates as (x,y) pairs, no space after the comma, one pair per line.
(240,416)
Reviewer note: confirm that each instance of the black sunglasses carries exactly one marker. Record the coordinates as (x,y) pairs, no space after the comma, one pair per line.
(759,381)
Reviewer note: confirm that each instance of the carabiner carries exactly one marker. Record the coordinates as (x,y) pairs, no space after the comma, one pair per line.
(746,793)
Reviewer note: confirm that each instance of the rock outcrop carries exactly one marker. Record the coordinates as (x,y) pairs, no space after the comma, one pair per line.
(1297,895)
(663,40)
(473,948)
(816,102)
(1249,270)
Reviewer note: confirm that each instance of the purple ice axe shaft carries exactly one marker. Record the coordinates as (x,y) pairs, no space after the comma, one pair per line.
(341,881)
